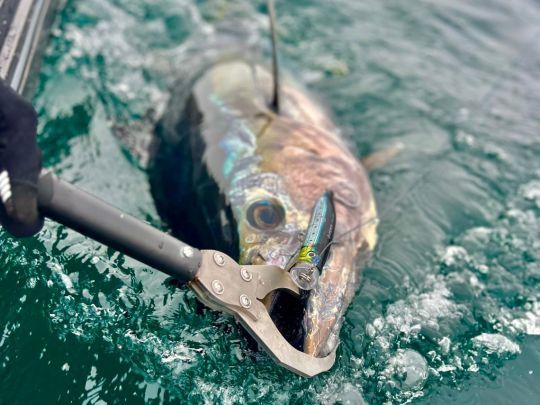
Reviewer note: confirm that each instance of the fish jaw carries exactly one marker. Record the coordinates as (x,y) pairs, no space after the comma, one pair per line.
(327,303)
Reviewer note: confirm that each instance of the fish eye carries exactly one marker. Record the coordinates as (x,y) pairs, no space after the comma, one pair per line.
(265,214)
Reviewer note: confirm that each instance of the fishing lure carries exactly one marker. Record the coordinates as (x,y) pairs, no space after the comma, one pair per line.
(308,265)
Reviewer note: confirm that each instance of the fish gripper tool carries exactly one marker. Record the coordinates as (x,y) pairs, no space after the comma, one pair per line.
(218,281)
(224,285)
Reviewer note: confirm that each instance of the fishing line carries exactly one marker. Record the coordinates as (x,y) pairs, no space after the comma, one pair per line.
(388,209)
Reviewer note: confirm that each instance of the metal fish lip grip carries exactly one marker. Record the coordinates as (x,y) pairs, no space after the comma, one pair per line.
(308,265)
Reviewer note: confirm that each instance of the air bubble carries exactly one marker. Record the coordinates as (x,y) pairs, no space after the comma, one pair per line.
(407,369)
(350,396)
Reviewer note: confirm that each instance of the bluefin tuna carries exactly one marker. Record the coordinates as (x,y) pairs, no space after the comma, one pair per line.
(240,160)
(230,173)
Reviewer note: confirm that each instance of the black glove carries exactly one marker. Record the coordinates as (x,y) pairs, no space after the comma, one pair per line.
(20,165)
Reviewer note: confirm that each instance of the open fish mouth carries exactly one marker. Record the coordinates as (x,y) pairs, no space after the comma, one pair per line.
(286,310)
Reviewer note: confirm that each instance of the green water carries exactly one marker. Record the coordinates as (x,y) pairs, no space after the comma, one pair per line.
(449,309)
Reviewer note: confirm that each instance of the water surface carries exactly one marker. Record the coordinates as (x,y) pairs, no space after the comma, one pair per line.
(449,309)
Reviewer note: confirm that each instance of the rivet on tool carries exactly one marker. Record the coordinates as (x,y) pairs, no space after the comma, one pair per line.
(218,288)
(246,274)
(187,251)
(219,259)
(245,301)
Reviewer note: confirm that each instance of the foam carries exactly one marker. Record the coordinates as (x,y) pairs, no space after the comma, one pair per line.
(496,343)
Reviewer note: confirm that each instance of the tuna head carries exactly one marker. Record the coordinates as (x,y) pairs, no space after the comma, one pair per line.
(270,169)
(297,163)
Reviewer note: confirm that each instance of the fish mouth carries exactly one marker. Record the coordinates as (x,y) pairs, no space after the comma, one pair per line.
(311,322)
(307,325)
(287,313)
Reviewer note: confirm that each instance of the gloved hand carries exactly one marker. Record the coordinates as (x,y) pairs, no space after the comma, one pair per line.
(20,165)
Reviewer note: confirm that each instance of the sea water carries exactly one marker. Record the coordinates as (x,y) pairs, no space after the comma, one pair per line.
(449,307)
